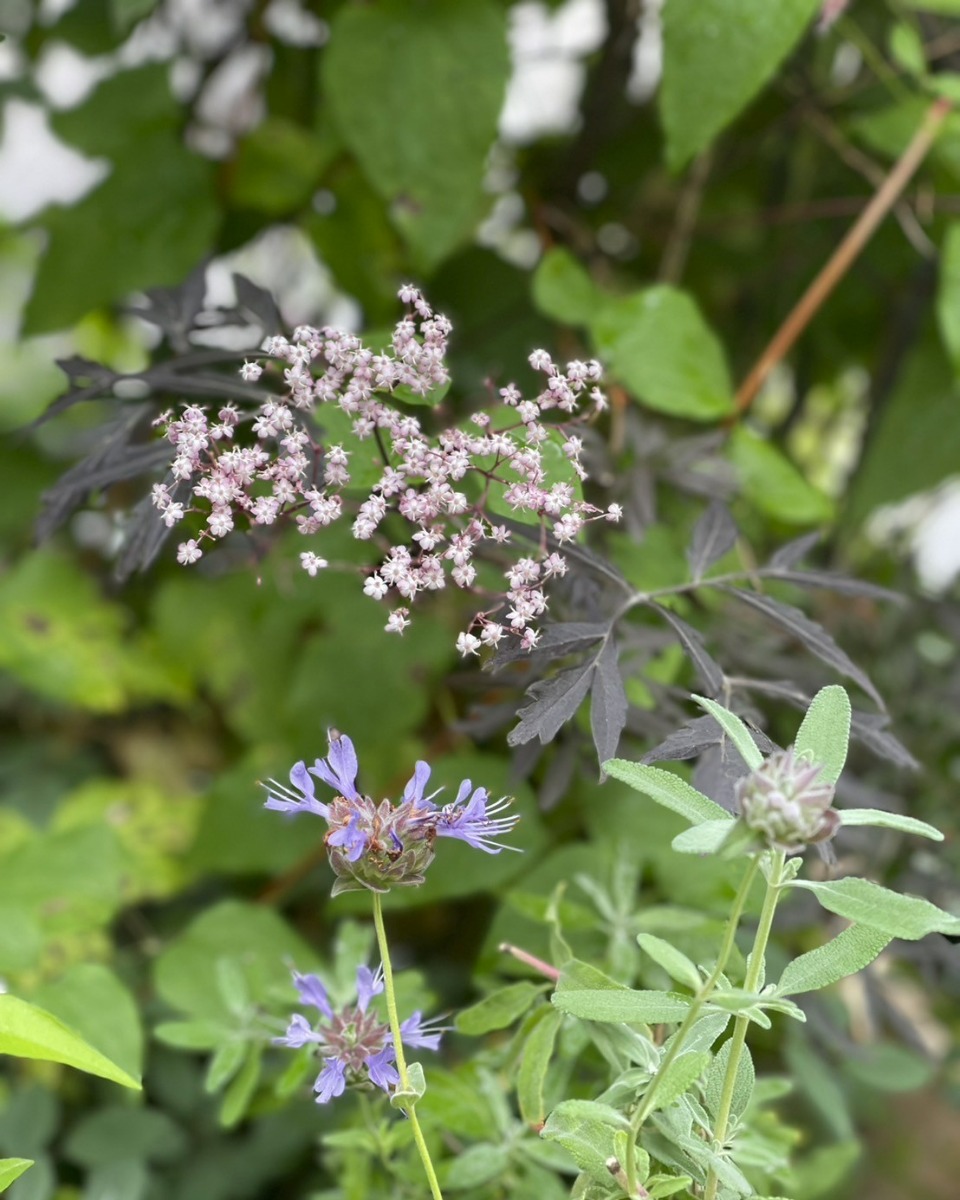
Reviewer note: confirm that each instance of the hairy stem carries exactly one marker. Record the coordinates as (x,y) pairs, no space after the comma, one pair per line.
(755,970)
(394,1018)
(680,1037)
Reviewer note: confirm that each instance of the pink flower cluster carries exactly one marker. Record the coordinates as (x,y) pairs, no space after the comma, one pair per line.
(441,486)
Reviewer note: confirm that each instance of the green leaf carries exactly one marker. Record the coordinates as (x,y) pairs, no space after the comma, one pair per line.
(717,54)
(824,732)
(707,838)
(667,789)
(658,345)
(500,1009)
(887,1067)
(405,1098)
(91,999)
(889,820)
(587,1131)
(28,1032)
(563,290)
(626,1004)
(743,1083)
(238,1095)
(901,916)
(147,225)
(416,92)
(906,49)
(772,484)
(224,1065)
(277,167)
(474,1167)
(847,953)
(674,962)
(11,1169)
(735,730)
(121,1132)
(660,1186)
(534,1061)
(191,1035)
(679,1077)
(948,294)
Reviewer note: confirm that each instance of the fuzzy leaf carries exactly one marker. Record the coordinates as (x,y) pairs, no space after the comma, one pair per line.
(667,789)
(714,534)
(498,1010)
(586,1130)
(682,1073)
(674,962)
(608,702)
(743,1084)
(622,1004)
(870,904)
(703,839)
(825,731)
(534,1061)
(847,953)
(889,820)
(735,729)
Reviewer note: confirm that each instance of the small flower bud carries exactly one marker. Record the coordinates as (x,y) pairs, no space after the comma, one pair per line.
(786,802)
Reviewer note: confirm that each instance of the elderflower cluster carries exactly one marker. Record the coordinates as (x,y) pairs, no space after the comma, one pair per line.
(439,485)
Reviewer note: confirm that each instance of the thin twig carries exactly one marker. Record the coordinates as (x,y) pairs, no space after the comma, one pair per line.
(845,253)
(688,208)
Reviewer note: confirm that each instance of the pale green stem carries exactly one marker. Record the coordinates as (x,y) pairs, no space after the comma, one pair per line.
(393,1016)
(699,1000)
(755,969)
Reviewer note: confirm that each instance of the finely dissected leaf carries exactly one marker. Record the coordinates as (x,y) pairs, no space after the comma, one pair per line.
(667,789)
(813,636)
(871,729)
(889,820)
(735,729)
(626,1004)
(679,1077)
(870,904)
(825,731)
(499,1009)
(29,1032)
(771,482)
(534,1061)
(673,961)
(714,534)
(442,68)
(847,953)
(659,346)
(832,582)
(695,736)
(709,671)
(792,552)
(743,1083)
(562,638)
(706,838)
(587,1131)
(717,54)
(555,701)
(563,290)
(608,702)
(11,1169)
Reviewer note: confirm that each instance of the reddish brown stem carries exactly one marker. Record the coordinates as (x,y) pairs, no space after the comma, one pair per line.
(839,263)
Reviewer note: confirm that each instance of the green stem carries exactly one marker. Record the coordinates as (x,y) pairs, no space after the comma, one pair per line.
(701,998)
(394,1018)
(755,969)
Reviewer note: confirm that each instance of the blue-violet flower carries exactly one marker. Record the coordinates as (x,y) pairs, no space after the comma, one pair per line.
(379,846)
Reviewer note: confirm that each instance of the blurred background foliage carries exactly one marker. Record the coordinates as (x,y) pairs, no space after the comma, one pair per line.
(653,184)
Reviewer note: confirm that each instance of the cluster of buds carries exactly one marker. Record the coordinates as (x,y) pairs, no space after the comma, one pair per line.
(357,1048)
(787,803)
(380,846)
(442,487)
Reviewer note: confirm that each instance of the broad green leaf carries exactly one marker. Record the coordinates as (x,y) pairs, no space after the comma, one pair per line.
(825,731)
(587,1131)
(770,481)
(91,1000)
(906,49)
(563,290)
(277,167)
(11,1169)
(887,1067)
(703,839)
(658,345)
(679,1077)
(742,1086)
(29,1032)
(870,904)
(534,1061)
(889,820)
(500,1009)
(674,962)
(121,1132)
(847,953)
(474,1167)
(627,1004)
(717,54)
(667,789)
(735,730)
(416,92)
(192,1035)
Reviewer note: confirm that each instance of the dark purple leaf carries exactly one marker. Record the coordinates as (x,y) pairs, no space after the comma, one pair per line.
(608,702)
(144,535)
(698,735)
(870,728)
(565,637)
(809,633)
(836,583)
(716,775)
(706,667)
(559,774)
(792,552)
(713,535)
(554,701)
(259,302)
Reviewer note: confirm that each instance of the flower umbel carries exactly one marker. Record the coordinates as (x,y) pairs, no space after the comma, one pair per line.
(356,1046)
(385,845)
(787,802)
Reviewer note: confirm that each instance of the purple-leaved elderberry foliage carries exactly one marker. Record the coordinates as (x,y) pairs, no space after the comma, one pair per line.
(357,1048)
(382,845)
(448,489)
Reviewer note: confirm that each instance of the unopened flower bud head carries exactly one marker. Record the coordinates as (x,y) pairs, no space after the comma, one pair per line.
(787,802)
